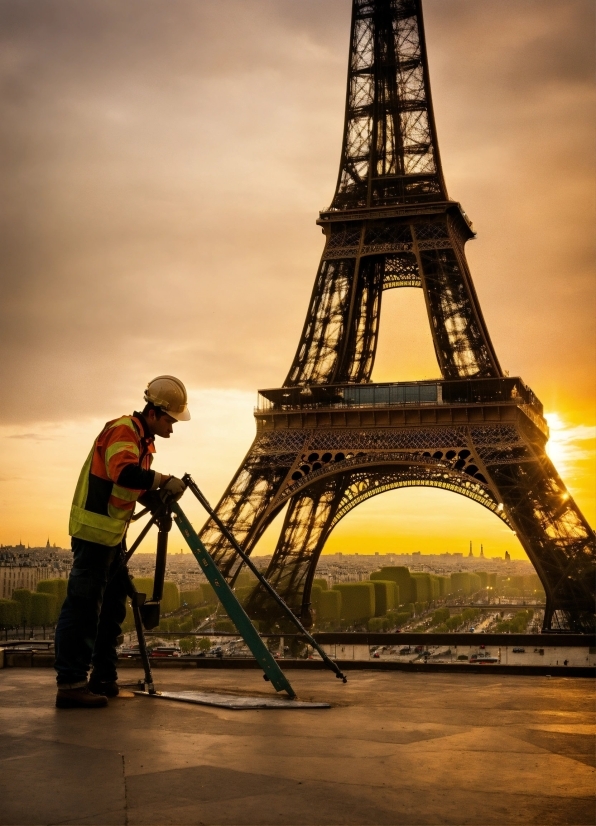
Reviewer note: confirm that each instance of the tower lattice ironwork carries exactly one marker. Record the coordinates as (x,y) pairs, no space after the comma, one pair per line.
(329,438)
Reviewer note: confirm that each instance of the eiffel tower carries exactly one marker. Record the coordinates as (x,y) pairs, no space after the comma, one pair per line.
(329,438)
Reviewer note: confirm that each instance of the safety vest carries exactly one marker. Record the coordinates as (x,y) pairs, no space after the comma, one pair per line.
(101,509)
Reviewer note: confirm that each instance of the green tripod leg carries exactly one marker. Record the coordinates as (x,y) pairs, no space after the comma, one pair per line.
(234,610)
(194,488)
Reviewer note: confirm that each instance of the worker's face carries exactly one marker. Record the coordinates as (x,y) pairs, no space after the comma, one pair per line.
(162,426)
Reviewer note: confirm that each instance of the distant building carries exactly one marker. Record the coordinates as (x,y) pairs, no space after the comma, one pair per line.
(17,576)
(22,567)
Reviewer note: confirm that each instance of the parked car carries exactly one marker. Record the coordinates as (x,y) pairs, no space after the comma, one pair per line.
(127,653)
(483,659)
(165,651)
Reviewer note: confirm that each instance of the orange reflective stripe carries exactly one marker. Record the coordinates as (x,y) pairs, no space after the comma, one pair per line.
(118,461)
(120,447)
(125,494)
(122,514)
(120,443)
(117,447)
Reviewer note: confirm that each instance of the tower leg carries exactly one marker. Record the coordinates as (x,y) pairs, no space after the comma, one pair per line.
(303,535)
(243,510)
(558,540)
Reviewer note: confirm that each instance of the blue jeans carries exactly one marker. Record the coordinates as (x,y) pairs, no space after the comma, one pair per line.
(92,614)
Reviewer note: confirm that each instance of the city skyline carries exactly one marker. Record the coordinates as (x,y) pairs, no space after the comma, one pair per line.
(174,551)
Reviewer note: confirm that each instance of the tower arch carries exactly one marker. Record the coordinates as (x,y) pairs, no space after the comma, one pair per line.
(391,223)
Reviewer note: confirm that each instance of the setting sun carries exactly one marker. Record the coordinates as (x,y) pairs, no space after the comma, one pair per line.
(555,446)
(569,445)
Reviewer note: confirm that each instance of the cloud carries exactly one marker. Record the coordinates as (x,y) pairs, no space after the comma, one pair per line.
(164,162)
(30,436)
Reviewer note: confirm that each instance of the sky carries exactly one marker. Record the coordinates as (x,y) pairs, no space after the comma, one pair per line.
(163,163)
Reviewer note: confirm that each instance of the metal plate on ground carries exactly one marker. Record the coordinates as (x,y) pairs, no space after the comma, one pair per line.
(208,698)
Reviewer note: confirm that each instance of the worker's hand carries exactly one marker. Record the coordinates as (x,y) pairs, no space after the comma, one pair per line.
(173,488)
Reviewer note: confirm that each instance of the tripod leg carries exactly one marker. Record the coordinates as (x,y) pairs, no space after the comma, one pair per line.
(248,632)
(190,483)
(142,646)
(136,599)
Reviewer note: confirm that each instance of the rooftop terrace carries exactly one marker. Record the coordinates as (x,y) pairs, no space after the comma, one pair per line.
(396,748)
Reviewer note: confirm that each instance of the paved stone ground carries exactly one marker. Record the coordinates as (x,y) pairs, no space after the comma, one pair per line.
(396,748)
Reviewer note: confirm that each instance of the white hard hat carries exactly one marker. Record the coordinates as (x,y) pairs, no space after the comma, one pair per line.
(169,393)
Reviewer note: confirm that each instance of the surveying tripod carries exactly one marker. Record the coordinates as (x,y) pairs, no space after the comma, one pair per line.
(146,611)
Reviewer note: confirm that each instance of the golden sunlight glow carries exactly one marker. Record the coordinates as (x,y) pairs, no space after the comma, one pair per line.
(556,445)
(572,449)
(569,445)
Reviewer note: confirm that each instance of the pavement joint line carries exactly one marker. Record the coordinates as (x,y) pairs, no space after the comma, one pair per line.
(371,785)
(57,742)
(22,756)
(75,821)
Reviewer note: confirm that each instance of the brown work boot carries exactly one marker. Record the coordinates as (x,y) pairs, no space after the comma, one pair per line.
(106,688)
(79,697)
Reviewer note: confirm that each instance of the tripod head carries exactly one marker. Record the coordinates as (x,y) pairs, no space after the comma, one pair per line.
(156,502)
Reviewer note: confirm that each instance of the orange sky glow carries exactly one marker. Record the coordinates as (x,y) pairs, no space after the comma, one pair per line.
(163,164)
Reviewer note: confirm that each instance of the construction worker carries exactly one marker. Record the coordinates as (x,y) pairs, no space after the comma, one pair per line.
(117,472)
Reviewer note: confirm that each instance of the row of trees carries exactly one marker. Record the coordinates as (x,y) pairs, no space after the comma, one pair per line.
(528,586)
(33,609)
(393,595)
(41,608)
(197,604)
(424,587)
(188,645)
(390,598)
(517,624)
(442,621)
